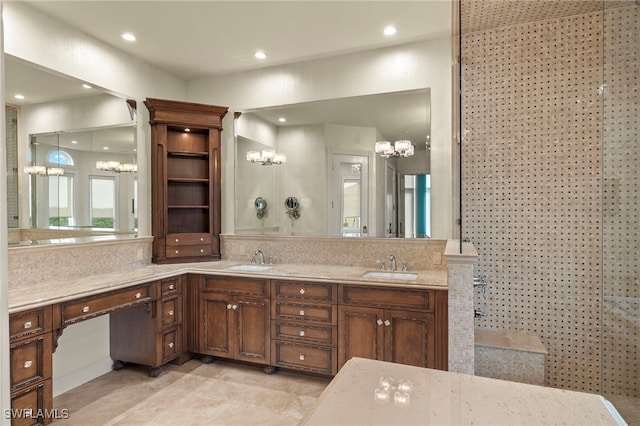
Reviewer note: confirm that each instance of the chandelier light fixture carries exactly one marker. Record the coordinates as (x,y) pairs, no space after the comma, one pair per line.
(116,166)
(266,157)
(401,148)
(43,171)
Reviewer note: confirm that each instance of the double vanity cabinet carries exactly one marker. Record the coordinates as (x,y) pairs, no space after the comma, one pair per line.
(296,324)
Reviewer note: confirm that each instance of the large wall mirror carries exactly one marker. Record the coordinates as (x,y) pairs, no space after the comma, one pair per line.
(323,153)
(71,158)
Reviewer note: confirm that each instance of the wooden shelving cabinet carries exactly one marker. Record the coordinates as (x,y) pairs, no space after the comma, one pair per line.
(185,161)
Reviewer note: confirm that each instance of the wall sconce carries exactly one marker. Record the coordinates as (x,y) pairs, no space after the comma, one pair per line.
(43,171)
(292,206)
(261,207)
(401,148)
(116,166)
(266,157)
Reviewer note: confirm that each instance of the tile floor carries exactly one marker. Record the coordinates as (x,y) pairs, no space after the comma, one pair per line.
(220,393)
(194,393)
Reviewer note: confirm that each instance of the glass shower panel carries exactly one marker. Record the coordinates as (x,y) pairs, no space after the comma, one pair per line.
(621,205)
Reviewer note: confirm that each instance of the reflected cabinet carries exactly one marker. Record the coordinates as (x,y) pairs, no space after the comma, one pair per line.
(185,161)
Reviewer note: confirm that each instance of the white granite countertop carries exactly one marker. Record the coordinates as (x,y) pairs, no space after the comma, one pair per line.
(50,292)
(444,398)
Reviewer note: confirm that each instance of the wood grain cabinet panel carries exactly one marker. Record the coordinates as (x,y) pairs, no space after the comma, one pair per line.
(29,323)
(31,405)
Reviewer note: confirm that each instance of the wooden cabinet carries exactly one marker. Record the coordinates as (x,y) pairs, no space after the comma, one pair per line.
(304,326)
(186,171)
(150,334)
(395,325)
(30,354)
(235,315)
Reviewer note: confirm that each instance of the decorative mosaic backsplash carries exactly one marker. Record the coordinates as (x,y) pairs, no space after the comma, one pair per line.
(551,149)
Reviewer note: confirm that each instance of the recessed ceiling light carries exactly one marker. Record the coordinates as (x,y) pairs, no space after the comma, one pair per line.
(18,96)
(390,30)
(74,142)
(260,55)
(128,37)
(282,119)
(105,148)
(87,86)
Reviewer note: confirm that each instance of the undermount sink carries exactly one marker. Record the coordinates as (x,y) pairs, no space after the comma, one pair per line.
(252,267)
(390,275)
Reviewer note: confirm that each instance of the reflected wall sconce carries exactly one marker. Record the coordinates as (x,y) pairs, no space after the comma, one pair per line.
(266,157)
(43,171)
(401,148)
(116,166)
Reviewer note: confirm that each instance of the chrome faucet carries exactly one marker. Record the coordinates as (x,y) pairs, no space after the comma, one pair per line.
(394,265)
(258,257)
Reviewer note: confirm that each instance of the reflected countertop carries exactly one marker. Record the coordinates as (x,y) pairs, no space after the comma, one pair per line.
(46,293)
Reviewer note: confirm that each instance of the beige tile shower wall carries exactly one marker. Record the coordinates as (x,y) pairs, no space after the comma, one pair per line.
(621,205)
(531,186)
(28,265)
(420,254)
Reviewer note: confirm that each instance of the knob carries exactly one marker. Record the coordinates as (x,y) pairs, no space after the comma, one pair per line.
(138,295)
(302,291)
(302,333)
(177,251)
(171,345)
(234,307)
(379,321)
(27,324)
(28,364)
(201,239)
(177,240)
(170,313)
(301,312)
(85,309)
(387,323)
(301,357)
(171,287)
(229,306)
(201,250)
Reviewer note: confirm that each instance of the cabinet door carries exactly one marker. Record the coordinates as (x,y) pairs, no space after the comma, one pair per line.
(409,338)
(216,327)
(252,331)
(360,333)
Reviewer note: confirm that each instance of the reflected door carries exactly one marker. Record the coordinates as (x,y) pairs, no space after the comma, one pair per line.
(349,200)
(414,206)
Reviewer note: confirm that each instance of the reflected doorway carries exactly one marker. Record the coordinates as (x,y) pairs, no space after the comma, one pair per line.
(349,195)
(414,205)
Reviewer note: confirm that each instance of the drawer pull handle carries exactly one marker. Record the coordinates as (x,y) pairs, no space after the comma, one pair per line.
(177,240)
(301,333)
(234,307)
(201,239)
(138,295)
(301,312)
(177,251)
(201,250)
(85,309)
(387,323)
(171,345)
(301,357)
(28,364)
(171,287)
(27,324)
(170,313)
(229,306)
(302,291)
(379,321)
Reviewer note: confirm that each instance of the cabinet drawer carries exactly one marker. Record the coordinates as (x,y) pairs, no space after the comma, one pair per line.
(29,405)
(304,312)
(170,311)
(170,343)
(169,286)
(29,323)
(413,299)
(30,361)
(188,239)
(234,285)
(305,332)
(317,359)
(185,251)
(102,304)
(318,292)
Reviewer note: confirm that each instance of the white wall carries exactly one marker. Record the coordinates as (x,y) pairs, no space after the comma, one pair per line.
(411,66)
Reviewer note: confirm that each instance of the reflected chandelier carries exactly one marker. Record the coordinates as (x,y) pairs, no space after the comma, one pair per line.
(266,157)
(43,171)
(401,148)
(116,166)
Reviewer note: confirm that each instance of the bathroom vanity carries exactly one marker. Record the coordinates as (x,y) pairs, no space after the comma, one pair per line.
(308,318)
